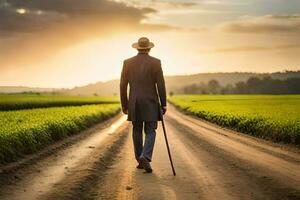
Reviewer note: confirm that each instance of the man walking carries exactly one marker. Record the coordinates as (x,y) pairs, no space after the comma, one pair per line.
(144,74)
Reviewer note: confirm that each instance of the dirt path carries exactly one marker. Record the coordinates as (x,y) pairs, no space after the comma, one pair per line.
(211,163)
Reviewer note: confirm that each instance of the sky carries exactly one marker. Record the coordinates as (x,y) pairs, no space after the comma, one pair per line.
(68,43)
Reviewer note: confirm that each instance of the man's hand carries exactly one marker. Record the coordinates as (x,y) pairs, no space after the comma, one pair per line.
(164,110)
(125,111)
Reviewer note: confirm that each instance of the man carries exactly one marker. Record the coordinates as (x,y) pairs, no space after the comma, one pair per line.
(144,74)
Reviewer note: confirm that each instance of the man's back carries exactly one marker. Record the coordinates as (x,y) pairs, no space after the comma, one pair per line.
(142,75)
(142,72)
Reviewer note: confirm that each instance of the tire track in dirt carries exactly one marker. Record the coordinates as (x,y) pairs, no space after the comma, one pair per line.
(242,179)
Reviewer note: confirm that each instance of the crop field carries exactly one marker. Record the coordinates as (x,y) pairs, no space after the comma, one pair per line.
(24,131)
(16,102)
(273,117)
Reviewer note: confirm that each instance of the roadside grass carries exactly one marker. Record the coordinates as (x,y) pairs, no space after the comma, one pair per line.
(25,101)
(27,131)
(272,117)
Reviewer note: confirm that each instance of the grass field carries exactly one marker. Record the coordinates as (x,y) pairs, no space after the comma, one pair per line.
(274,117)
(30,122)
(21,101)
(27,131)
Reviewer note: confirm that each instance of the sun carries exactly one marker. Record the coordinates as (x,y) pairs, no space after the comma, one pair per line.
(21,11)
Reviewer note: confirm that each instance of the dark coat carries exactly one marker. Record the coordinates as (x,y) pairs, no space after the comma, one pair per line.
(142,72)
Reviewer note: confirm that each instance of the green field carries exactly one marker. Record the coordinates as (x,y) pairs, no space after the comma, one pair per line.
(30,122)
(273,117)
(21,101)
(26,131)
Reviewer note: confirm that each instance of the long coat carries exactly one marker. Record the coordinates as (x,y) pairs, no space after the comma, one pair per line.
(142,72)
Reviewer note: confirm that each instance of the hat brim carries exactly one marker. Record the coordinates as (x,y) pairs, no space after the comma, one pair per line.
(136,46)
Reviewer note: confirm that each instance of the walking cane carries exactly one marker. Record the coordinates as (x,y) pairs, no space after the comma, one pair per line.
(166,138)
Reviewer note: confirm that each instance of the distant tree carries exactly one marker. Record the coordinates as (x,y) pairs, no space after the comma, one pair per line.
(292,85)
(213,87)
(228,89)
(254,85)
(191,89)
(171,93)
(240,88)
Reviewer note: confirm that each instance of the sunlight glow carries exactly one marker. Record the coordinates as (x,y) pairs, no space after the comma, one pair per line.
(21,11)
(51,46)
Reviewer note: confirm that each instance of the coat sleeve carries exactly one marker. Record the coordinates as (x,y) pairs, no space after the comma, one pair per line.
(123,87)
(160,81)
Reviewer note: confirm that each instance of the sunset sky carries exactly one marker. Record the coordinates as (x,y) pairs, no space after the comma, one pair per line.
(67,43)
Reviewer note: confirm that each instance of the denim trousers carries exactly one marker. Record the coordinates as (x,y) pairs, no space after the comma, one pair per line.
(144,150)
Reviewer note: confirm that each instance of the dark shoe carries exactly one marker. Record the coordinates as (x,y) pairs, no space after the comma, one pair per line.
(146,165)
(140,166)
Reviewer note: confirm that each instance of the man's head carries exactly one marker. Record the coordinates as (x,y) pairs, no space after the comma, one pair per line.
(143,45)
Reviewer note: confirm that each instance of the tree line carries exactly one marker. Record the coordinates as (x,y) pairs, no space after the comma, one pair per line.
(253,85)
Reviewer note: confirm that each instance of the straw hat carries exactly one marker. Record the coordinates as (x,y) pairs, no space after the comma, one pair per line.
(143,43)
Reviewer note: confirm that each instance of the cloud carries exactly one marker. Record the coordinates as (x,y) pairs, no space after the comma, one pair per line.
(35,15)
(14,19)
(283,16)
(181,4)
(264,24)
(33,30)
(213,2)
(255,48)
(158,4)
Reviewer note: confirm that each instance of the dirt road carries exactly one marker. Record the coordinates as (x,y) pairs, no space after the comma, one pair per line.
(211,163)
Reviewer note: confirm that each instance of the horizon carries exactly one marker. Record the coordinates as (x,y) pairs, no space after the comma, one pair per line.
(66,44)
(116,79)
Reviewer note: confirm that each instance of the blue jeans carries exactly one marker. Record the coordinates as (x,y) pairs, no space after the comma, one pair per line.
(145,150)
